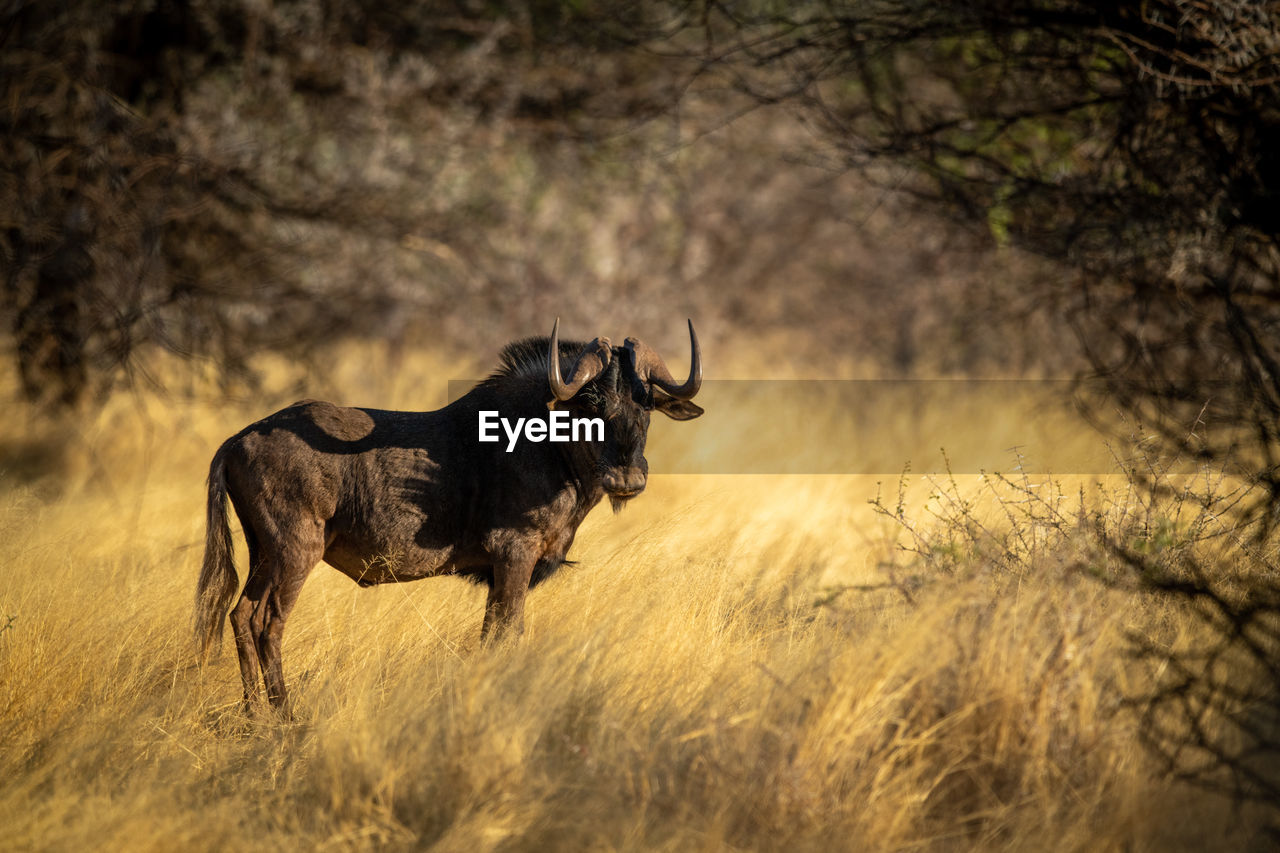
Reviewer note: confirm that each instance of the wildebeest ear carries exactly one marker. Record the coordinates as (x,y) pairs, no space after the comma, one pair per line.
(677,410)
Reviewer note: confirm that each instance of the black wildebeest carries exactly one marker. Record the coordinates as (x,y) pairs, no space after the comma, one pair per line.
(394,496)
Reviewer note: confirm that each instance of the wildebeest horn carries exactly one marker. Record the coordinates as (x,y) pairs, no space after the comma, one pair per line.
(593,360)
(650,366)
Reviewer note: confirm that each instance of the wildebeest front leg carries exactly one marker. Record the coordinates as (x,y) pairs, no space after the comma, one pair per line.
(504,611)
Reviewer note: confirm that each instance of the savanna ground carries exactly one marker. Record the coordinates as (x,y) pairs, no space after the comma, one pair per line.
(736,662)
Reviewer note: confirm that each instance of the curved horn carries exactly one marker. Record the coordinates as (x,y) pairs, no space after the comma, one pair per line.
(593,360)
(650,366)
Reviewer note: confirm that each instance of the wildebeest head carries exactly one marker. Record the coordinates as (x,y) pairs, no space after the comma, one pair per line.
(622,385)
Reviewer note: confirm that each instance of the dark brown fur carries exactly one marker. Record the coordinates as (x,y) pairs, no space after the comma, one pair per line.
(388,496)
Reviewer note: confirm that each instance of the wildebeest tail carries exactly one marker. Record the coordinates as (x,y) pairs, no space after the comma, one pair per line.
(218,581)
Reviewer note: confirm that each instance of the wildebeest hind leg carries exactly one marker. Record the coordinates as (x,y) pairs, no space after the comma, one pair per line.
(246,649)
(283,586)
(241,624)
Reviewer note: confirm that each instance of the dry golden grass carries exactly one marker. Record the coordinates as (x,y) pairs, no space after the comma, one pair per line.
(701,680)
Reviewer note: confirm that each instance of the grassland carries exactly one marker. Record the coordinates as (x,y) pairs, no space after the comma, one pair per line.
(711,675)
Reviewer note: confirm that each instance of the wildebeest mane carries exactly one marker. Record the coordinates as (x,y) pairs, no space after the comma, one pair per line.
(528,358)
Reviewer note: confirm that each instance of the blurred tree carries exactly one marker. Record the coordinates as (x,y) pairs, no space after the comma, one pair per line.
(225,177)
(1134,144)
(114,232)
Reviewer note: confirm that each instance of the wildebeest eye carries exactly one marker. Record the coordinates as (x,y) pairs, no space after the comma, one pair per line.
(644,397)
(595,399)
(601,403)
